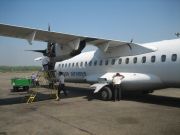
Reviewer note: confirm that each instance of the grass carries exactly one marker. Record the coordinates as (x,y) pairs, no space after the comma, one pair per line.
(19,68)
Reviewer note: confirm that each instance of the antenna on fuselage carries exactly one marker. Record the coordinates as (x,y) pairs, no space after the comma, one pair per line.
(177,34)
(131,40)
(129,44)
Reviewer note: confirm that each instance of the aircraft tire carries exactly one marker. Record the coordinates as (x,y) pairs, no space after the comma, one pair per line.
(147,92)
(106,94)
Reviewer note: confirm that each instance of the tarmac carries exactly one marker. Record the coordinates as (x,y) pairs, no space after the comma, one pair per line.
(79,114)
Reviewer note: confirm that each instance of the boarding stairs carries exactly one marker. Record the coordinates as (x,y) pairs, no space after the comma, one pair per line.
(45,79)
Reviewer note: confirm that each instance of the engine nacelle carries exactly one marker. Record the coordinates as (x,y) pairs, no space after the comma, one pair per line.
(69,50)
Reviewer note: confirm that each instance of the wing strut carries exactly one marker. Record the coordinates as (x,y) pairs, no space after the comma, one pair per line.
(31,37)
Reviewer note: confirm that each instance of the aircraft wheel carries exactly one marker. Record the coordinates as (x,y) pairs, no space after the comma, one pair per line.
(147,92)
(106,93)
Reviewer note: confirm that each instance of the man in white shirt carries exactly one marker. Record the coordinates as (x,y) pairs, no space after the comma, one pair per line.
(117,79)
(45,63)
(33,78)
(61,85)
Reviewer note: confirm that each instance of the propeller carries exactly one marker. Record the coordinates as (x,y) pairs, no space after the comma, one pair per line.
(50,45)
(44,52)
(50,51)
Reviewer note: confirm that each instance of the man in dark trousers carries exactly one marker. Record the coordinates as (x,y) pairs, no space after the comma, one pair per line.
(117,79)
(61,86)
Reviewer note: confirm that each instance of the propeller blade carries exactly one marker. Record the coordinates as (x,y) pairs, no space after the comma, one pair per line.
(38,59)
(40,51)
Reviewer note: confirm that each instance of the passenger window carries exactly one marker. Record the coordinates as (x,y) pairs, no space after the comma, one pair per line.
(86,63)
(62,65)
(106,62)
(174,57)
(127,61)
(77,64)
(69,64)
(73,65)
(113,61)
(95,62)
(153,59)
(135,60)
(120,61)
(59,65)
(90,63)
(143,59)
(81,64)
(100,62)
(163,58)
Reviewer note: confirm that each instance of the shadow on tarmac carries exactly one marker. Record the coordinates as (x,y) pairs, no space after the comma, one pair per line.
(152,99)
(132,96)
(86,93)
(21,96)
(22,99)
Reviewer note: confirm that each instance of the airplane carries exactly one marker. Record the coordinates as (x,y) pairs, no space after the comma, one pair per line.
(146,67)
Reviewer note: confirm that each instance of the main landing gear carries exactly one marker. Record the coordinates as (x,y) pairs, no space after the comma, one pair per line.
(105,93)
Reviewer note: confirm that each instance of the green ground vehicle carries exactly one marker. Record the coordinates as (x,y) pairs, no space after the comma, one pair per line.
(22,83)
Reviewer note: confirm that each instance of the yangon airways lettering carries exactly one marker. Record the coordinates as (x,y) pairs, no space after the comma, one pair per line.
(75,74)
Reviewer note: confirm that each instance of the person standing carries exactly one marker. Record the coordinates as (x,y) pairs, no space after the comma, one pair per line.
(45,63)
(117,79)
(61,85)
(34,78)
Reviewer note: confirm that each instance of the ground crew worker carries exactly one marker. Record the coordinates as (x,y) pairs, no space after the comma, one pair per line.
(45,63)
(117,79)
(61,85)
(33,78)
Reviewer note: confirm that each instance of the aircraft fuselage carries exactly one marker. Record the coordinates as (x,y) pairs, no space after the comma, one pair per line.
(155,70)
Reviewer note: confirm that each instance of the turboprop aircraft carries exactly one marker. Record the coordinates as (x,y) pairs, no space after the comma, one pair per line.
(146,67)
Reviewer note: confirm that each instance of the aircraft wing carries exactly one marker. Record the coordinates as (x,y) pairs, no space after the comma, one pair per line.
(31,34)
(45,36)
(35,34)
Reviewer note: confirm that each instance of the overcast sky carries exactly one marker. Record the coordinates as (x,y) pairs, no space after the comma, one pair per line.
(142,20)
